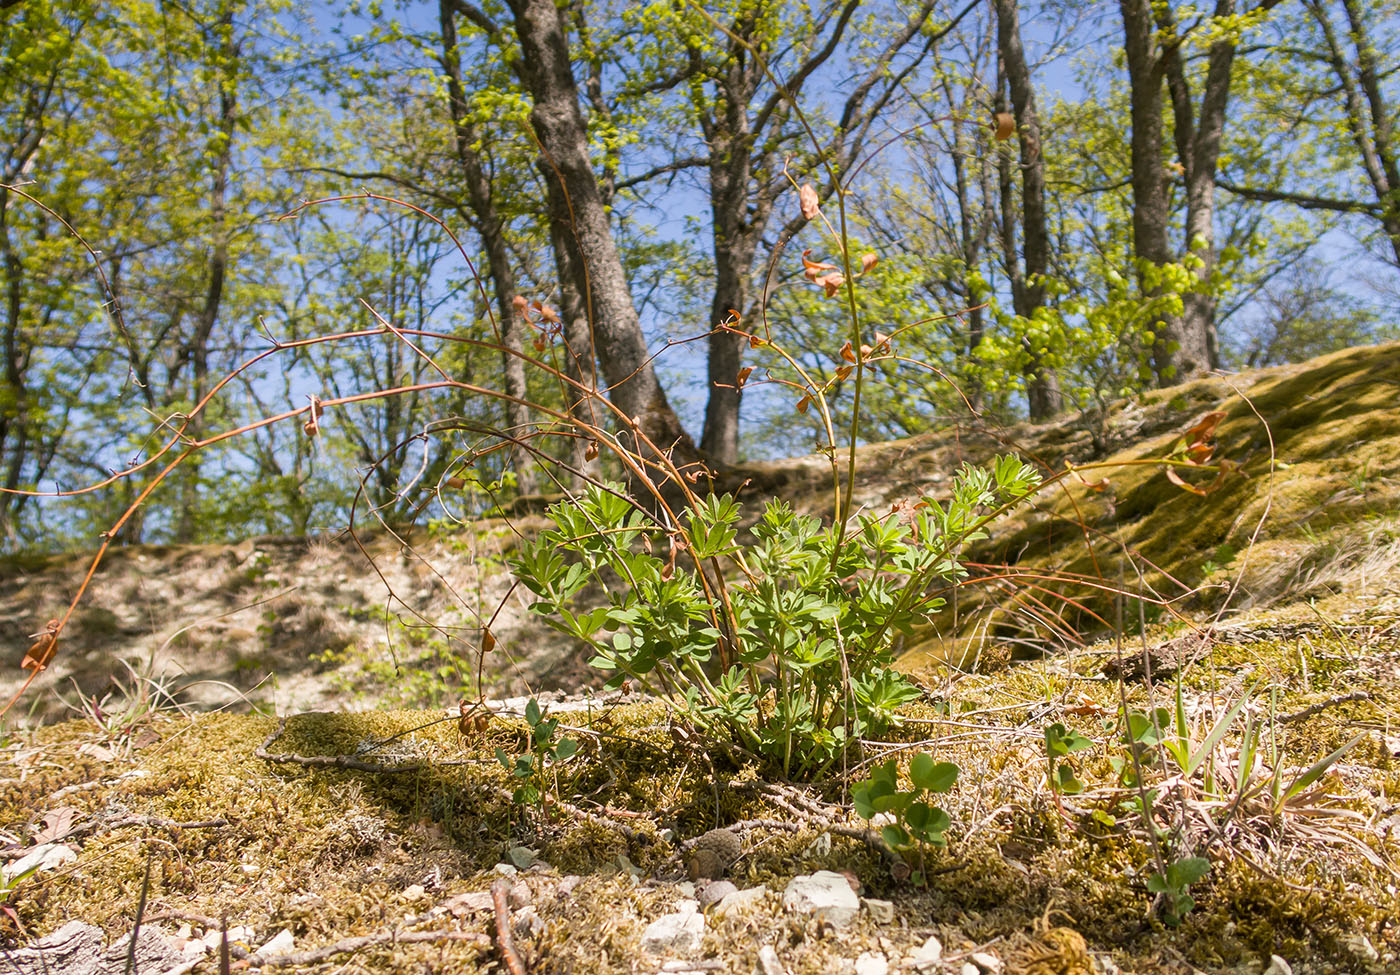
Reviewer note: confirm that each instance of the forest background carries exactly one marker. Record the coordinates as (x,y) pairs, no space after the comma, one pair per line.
(1048,206)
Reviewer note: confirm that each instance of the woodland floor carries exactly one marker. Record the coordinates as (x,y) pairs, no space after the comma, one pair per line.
(321,812)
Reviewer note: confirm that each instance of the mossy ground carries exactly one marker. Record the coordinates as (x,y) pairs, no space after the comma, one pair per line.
(330,853)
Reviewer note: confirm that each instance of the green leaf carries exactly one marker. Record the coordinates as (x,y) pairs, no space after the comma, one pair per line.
(935,777)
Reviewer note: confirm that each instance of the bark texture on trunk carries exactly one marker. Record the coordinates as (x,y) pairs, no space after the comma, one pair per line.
(490,227)
(576,204)
(1027,287)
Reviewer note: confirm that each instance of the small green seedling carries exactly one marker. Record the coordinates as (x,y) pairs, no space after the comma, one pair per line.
(531,768)
(1060,742)
(1177,903)
(918,823)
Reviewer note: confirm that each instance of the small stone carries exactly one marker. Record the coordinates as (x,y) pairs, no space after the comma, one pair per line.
(928,955)
(685,888)
(819,847)
(505,870)
(825,894)
(968,968)
(881,912)
(280,944)
(413,892)
(1277,966)
(627,866)
(714,892)
(986,961)
(525,922)
(567,885)
(519,895)
(768,961)
(523,857)
(741,901)
(680,932)
(872,963)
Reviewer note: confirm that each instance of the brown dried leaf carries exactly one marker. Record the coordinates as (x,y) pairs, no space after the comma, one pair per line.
(488,641)
(846,352)
(831,283)
(57,824)
(813,269)
(867,261)
(1175,478)
(44,647)
(743,376)
(590,453)
(843,373)
(1005,125)
(1205,427)
(803,403)
(456,483)
(811,205)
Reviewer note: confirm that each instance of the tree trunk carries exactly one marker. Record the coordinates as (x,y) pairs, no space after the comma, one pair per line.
(1028,288)
(490,227)
(576,205)
(1146,71)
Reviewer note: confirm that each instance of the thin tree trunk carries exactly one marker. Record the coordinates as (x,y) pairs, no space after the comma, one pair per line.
(576,205)
(490,227)
(1028,288)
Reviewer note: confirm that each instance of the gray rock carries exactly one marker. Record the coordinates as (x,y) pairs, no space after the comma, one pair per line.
(740,901)
(714,892)
(929,954)
(768,961)
(680,932)
(881,912)
(825,894)
(986,961)
(872,963)
(1278,966)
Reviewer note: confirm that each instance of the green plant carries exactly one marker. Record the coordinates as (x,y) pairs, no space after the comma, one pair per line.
(793,661)
(918,823)
(532,768)
(1173,884)
(1060,743)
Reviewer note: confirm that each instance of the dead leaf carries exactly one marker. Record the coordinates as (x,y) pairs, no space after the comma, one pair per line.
(1005,125)
(488,641)
(456,483)
(803,403)
(743,377)
(1205,427)
(846,352)
(44,647)
(1175,478)
(590,453)
(843,373)
(813,269)
(867,261)
(831,282)
(811,205)
(57,823)
(99,752)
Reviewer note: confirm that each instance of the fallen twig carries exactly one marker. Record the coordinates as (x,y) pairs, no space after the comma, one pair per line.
(500,894)
(1321,706)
